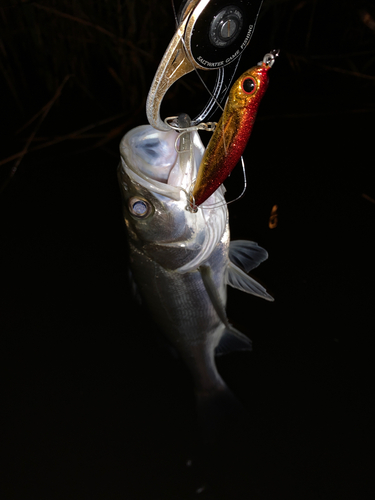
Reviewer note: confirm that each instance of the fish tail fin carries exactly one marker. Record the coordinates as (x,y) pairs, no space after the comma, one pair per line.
(217,407)
(217,410)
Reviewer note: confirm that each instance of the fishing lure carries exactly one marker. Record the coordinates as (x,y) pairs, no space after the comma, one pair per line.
(233,130)
(182,259)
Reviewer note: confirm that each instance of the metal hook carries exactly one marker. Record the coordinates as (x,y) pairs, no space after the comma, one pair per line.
(270,58)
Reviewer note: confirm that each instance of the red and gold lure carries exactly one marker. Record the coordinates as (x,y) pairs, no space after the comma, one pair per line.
(232,131)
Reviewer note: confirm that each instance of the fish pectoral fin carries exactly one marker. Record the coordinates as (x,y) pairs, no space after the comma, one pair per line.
(134,288)
(212,292)
(233,340)
(236,278)
(246,254)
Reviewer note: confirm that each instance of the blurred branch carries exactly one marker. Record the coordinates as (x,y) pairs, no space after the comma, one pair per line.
(312,60)
(311,22)
(347,72)
(346,55)
(367,19)
(313,114)
(44,112)
(76,134)
(92,25)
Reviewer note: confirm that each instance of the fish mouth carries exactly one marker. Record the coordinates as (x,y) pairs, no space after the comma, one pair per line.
(152,159)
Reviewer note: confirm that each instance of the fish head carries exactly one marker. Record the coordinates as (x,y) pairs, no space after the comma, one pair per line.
(152,174)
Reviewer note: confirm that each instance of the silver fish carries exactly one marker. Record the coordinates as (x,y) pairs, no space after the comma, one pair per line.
(181,260)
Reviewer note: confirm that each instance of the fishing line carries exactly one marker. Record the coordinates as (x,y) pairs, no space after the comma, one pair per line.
(192,207)
(213,98)
(218,205)
(170,121)
(175,13)
(209,126)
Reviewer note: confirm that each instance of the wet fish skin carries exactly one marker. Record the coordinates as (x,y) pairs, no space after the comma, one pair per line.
(180,260)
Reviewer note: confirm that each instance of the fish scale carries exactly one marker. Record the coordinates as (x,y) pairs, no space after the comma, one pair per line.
(180,260)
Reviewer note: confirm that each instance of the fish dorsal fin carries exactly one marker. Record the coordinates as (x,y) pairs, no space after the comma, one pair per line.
(233,340)
(236,278)
(246,254)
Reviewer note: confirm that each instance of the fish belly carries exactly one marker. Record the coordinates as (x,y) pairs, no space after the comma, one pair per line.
(180,305)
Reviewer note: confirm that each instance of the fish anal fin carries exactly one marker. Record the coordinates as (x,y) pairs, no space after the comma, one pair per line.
(233,340)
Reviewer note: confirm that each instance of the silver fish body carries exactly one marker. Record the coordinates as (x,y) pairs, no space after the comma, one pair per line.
(182,261)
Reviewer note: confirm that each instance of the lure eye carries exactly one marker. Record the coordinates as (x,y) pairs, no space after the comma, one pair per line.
(249,86)
(139,207)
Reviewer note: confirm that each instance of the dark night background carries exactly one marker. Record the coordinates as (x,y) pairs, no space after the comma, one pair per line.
(93,406)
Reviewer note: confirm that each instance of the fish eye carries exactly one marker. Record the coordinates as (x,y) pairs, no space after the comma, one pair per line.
(139,207)
(249,85)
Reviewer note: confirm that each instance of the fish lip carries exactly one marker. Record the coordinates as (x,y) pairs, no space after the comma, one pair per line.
(211,222)
(174,191)
(127,163)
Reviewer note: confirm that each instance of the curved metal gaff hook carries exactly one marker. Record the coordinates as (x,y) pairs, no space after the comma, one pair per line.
(177,62)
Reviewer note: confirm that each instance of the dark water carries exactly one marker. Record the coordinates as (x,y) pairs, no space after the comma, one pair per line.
(93,405)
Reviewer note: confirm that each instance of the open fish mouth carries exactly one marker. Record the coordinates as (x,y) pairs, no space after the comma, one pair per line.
(152,159)
(162,172)
(169,163)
